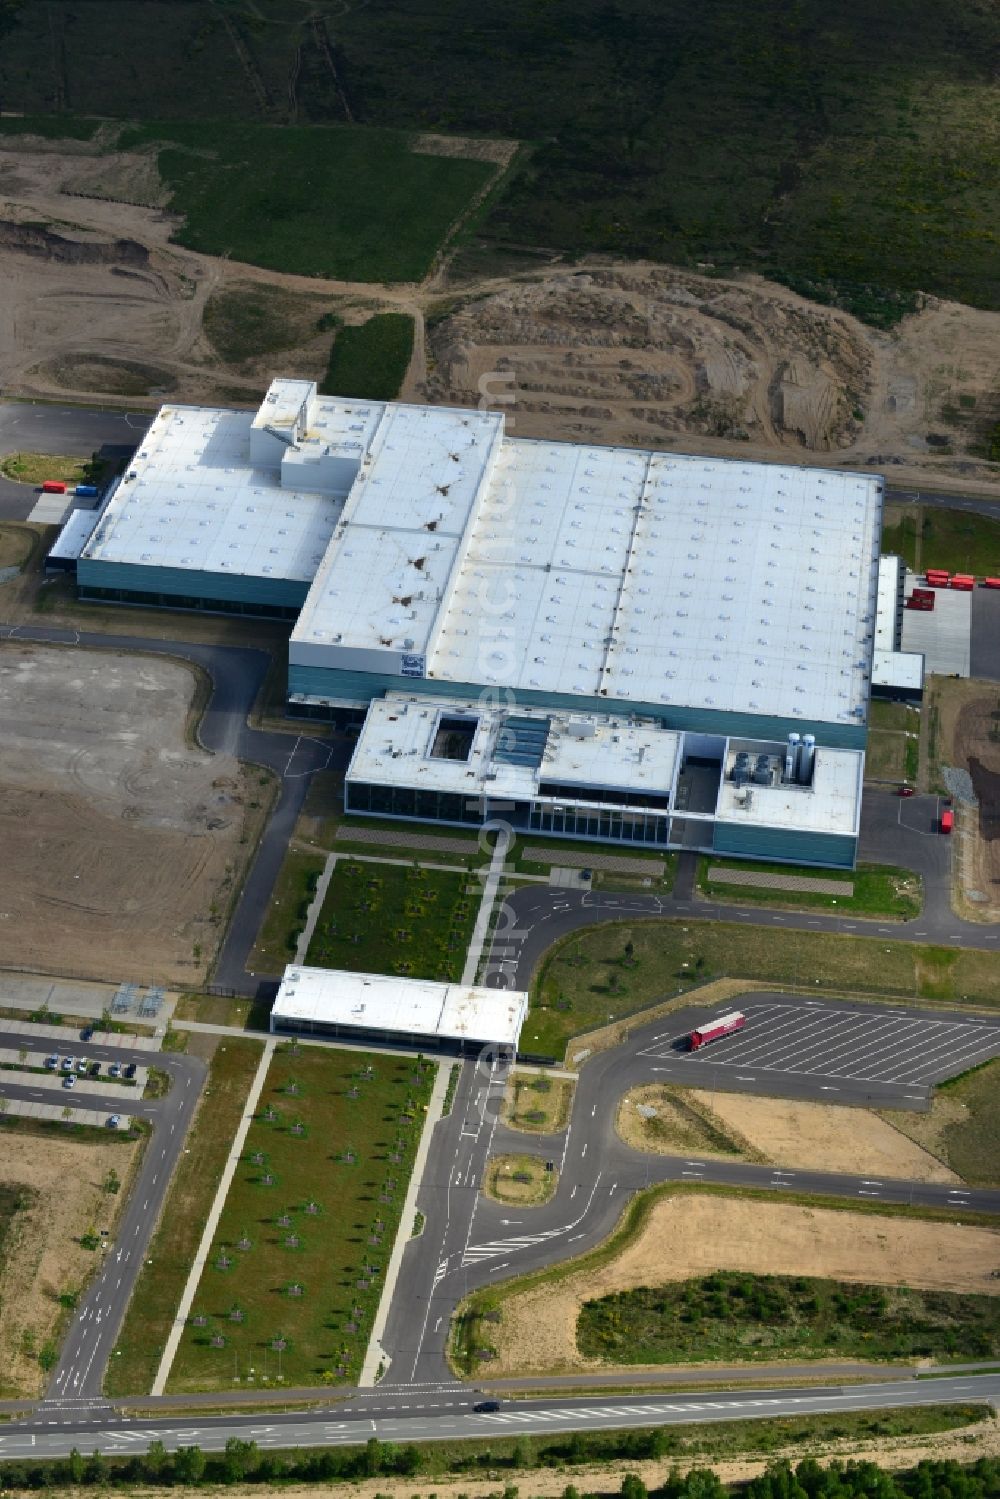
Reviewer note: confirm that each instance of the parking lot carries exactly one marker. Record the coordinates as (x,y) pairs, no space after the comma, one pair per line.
(820,1048)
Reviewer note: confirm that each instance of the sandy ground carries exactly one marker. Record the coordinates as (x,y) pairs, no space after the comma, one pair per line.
(824,1137)
(101,304)
(538,1330)
(966,720)
(120,840)
(43,1258)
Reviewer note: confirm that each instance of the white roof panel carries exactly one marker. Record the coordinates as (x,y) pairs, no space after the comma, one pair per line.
(420,1007)
(194,502)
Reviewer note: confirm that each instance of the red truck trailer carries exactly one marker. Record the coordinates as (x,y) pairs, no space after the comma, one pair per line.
(714,1030)
(965,582)
(921,598)
(947,821)
(991,582)
(53,486)
(937,577)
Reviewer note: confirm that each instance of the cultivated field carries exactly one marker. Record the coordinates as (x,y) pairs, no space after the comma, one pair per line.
(537,1331)
(66,1184)
(123,843)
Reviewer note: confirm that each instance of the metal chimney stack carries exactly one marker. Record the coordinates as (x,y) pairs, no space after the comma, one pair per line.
(792,757)
(807,757)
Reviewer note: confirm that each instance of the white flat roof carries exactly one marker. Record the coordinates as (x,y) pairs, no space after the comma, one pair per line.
(381,583)
(76,532)
(904,669)
(658,578)
(587,750)
(420,1007)
(890,570)
(830,804)
(196,503)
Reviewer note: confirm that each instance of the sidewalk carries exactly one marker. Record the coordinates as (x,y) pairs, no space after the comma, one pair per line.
(212,1221)
(376,1356)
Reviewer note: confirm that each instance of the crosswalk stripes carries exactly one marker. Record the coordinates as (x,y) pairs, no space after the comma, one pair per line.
(478,1252)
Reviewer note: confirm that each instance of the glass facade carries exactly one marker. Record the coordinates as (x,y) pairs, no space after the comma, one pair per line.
(185,602)
(619,825)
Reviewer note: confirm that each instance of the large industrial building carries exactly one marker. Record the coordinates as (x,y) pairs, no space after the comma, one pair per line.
(596,642)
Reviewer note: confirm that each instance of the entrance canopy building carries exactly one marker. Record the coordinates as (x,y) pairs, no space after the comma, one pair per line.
(412,1012)
(702,602)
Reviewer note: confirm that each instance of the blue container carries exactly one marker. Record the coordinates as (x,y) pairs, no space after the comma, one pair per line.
(86,491)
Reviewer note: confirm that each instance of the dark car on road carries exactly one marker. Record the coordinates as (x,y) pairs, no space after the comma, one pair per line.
(487,1405)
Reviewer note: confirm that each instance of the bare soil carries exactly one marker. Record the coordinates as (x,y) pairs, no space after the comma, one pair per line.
(667,1121)
(968,718)
(705,1233)
(824,1137)
(122,841)
(98,302)
(43,1257)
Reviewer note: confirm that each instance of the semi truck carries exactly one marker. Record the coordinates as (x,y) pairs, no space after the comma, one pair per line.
(714,1030)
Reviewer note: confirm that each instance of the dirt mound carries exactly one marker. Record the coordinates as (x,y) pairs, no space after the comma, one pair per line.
(82,249)
(661,351)
(96,372)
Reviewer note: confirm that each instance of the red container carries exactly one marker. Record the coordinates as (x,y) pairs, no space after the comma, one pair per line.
(964,582)
(53,486)
(947,821)
(714,1030)
(926,604)
(991,582)
(923,593)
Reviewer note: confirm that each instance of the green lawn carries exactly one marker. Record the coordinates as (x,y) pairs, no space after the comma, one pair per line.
(963,1126)
(315,1204)
(877,889)
(385,918)
(35,468)
(951,539)
(158,1291)
(350,204)
(370,360)
(588,978)
(286,915)
(731,1314)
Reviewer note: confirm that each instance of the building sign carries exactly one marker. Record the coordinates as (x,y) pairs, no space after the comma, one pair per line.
(412,666)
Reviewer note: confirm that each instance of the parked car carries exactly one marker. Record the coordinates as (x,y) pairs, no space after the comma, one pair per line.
(115,1069)
(68,1064)
(114,1121)
(69,1081)
(52,1061)
(95,1069)
(130,1070)
(81,1064)
(906,790)
(87,1033)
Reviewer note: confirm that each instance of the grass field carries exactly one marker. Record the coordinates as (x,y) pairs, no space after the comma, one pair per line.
(384,918)
(35,468)
(962,1127)
(16,545)
(814,145)
(247,321)
(286,915)
(733,1315)
(353,205)
(314,1205)
(13,1200)
(370,360)
(155,1299)
(951,539)
(587,978)
(519,1180)
(538,1104)
(877,890)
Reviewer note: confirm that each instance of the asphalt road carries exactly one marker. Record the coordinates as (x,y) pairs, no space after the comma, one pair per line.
(422,1419)
(94,1331)
(74,430)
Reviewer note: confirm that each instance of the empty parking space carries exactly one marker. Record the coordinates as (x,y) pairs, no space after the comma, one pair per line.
(844,1043)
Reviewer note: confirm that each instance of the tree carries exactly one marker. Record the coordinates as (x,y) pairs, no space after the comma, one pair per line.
(156,1459)
(522,1456)
(373,1458)
(702,1483)
(189,1465)
(410,1460)
(240,1459)
(96,1470)
(75,1465)
(633,1487)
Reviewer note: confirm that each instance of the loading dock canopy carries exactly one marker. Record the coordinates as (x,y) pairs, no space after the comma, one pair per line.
(334,1000)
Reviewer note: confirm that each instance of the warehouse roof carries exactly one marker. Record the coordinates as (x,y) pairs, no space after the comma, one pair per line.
(658,578)
(191,500)
(399,1006)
